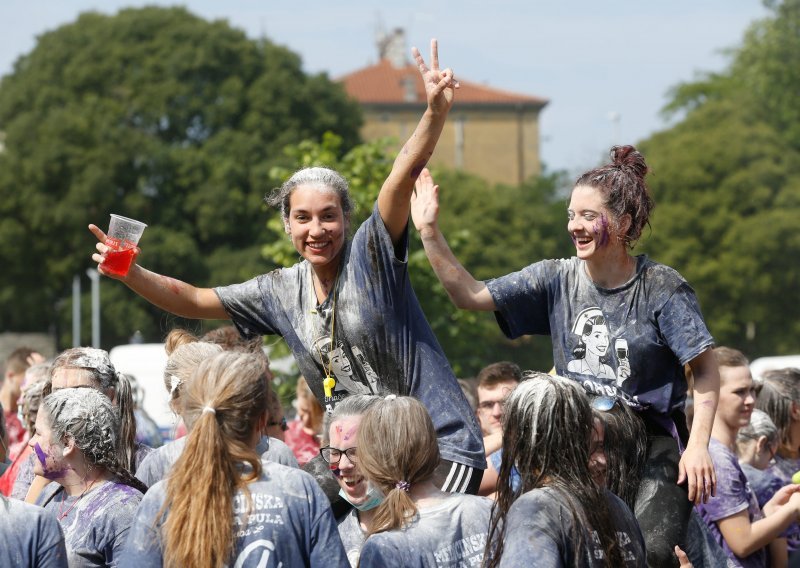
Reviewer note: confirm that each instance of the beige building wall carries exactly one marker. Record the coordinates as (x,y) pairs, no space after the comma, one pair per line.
(501,146)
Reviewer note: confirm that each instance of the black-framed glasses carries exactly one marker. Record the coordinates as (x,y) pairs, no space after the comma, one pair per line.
(284,426)
(603,403)
(333,455)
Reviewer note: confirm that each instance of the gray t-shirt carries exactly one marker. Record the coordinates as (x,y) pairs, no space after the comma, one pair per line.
(159,462)
(382,343)
(352,536)
(30,536)
(651,326)
(539,532)
(451,533)
(290,525)
(24,479)
(96,525)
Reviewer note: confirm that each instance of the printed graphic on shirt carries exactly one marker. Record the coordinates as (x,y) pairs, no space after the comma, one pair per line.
(594,357)
(466,552)
(347,366)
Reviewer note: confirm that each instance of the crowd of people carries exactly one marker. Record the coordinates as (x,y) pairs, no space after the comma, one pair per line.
(392,460)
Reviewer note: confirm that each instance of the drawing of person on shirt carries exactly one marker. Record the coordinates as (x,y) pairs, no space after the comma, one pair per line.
(592,349)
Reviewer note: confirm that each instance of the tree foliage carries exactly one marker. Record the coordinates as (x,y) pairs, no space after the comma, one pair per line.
(155,114)
(727,183)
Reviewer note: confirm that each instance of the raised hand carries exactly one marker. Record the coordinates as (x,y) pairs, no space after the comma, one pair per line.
(425,202)
(102,250)
(440,85)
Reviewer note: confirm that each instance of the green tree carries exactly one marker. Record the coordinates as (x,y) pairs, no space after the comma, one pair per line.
(727,183)
(159,115)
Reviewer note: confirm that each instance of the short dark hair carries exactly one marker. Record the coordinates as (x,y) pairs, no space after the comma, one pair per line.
(500,372)
(17,362)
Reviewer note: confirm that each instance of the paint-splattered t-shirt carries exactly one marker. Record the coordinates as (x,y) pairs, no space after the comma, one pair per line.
(30,536)
(539,532)
(96,525)
(24,478)
(782,469)
(352,536)
(733,496)
(762,482)
(382,343)
(450,533)
(290,525)
(157,465)
(631,341)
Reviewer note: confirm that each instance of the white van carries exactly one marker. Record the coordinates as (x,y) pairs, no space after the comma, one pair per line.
(763,364)
(146,362)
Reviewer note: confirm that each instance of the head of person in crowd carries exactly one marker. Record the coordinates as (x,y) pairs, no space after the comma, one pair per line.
(547,430)
(36,377)
(16,365)
(618,194)
(397,451)
(184,354)
(309,411)
(779,397)
(757,443)
(277,426)
(618,449)
(737,393)
(87,366)
(77,438)
(225,406)
(315,189)
(229,338)
(341,448)
(495,382)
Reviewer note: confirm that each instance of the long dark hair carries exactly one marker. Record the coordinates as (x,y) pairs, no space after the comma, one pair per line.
(547,428)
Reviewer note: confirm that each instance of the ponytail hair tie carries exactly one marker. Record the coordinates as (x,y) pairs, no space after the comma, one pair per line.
(209,409)
(390,397)
(403,486)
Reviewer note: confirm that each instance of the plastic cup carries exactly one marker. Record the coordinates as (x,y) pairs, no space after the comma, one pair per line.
(121,240)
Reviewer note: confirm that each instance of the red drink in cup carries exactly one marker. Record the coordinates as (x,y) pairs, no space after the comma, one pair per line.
(123,237)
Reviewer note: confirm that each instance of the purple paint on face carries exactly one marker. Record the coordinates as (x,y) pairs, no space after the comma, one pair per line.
(600,230)
(40,453)
(350,433)
(417,169)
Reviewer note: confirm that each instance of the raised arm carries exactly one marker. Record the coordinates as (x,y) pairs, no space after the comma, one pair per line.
(464,291)
(393,200)
(171,295)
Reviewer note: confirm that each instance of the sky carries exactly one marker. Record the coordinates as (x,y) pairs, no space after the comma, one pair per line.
(606,67)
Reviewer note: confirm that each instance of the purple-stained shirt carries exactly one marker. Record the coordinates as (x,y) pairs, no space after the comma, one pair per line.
(733,496)
(783,469)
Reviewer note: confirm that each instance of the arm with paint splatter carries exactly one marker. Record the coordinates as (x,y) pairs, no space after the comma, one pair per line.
(395,194)
(171,295)
(464,291)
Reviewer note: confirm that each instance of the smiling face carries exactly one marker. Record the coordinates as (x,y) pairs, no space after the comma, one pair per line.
(597,340)
(49,462)
(737,397)
(344,435)
(317,224)
(591,226)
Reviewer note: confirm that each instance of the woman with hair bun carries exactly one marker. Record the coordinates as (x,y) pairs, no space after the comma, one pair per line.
(621,325)
(221,505)
(93,496)
(416,524)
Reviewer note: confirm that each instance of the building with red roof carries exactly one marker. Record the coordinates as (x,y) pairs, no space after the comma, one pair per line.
(490,132)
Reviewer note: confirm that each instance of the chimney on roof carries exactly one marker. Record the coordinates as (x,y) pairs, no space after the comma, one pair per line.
(392,46)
